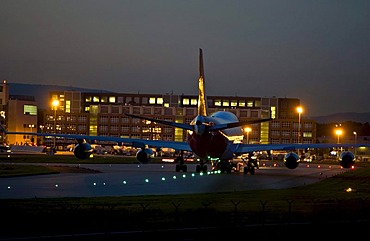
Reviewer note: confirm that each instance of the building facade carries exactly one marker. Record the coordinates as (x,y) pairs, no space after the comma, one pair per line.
(18,113)
(92,113)
(103,114)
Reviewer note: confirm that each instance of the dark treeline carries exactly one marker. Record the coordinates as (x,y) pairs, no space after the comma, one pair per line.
(362,129)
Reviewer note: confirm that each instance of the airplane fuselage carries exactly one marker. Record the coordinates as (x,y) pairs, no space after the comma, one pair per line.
(215,144)
(208,145)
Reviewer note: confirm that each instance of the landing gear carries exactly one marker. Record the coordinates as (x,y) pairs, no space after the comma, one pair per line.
(181,166)
(201,167)
(224,166)
(251,163)
(248,169)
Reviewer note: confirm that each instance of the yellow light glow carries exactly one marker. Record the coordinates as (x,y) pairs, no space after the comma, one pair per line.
(55,103)
(247,129)
(299,109)
(338,132)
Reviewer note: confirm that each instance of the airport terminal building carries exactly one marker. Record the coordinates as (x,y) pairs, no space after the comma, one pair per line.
(76,112)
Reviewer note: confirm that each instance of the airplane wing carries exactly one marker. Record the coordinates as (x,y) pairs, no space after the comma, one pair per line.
(169,123)
(139,143)
(247,148)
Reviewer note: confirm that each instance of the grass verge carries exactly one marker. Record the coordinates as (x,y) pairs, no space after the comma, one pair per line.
(341,198)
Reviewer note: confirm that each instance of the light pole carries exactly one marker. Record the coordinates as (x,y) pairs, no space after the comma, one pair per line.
(32,138)
(42,131)
(338,132)
(55,104)
(355,133)
(299,110)
(247,130)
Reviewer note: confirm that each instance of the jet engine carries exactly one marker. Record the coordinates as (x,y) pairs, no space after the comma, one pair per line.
(145,155)
(82,150)
(346,159)
(291,160)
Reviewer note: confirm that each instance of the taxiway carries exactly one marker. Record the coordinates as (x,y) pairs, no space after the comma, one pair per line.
(157,179)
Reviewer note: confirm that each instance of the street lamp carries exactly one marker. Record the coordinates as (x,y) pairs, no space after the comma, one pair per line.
(338,132)
(32,139)
(42,131)
(55,104)
(247,130)
(299,110)
(355,133)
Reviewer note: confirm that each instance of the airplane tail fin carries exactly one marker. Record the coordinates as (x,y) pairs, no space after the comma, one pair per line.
(202,100)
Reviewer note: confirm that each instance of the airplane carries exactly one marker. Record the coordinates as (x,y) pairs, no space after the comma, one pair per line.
(216,138)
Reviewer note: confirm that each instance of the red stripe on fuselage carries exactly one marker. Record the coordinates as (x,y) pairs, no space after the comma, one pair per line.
(208,145)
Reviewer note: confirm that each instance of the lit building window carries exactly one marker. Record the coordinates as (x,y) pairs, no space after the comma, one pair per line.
(250,103)
(273,112)
(88,99)
(241,103)
(152,100)
(225,103)
(71,127)
(112,99)
(218,102)
(234,103)
(96,99)
(194,101)
(71,118)
(160,100)
(185,101)
(68,106)
(30,110)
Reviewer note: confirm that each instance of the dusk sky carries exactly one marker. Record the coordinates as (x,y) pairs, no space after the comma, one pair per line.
(317,51)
